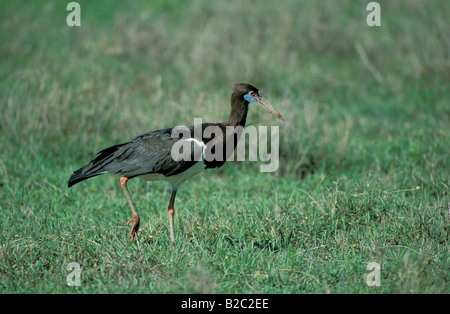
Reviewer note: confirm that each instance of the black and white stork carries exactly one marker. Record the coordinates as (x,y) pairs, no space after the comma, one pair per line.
(151,155)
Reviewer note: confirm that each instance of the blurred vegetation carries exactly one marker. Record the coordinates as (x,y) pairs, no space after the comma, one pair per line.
(364,150)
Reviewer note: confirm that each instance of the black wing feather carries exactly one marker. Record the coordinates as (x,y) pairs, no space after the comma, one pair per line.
(145,154)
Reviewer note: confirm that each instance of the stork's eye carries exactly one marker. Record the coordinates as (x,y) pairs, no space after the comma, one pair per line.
(251,97)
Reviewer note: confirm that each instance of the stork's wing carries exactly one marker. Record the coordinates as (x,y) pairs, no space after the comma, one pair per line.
(145,154)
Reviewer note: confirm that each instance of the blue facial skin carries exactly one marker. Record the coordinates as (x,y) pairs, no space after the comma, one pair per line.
(250,98)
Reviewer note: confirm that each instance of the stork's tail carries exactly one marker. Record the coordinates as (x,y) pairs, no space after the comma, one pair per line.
(95,167)
(78,176)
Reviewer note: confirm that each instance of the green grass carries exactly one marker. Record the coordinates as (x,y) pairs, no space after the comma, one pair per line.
(365,158)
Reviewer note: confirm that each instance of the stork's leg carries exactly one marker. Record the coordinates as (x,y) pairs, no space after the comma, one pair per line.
(171,212)
(135,219)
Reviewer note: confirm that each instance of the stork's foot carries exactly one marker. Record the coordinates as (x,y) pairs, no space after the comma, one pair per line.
(135,227)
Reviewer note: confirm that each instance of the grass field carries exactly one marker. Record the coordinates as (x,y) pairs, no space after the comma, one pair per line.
(364,152)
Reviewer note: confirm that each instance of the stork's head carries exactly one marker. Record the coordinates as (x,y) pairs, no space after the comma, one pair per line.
(252,95)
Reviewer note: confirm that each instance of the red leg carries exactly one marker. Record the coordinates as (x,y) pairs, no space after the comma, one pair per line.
(135,219)
(171,213)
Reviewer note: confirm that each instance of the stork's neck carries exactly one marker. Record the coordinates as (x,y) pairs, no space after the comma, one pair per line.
(238,115)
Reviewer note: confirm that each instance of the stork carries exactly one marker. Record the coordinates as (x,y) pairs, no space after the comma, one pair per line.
(150,155)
